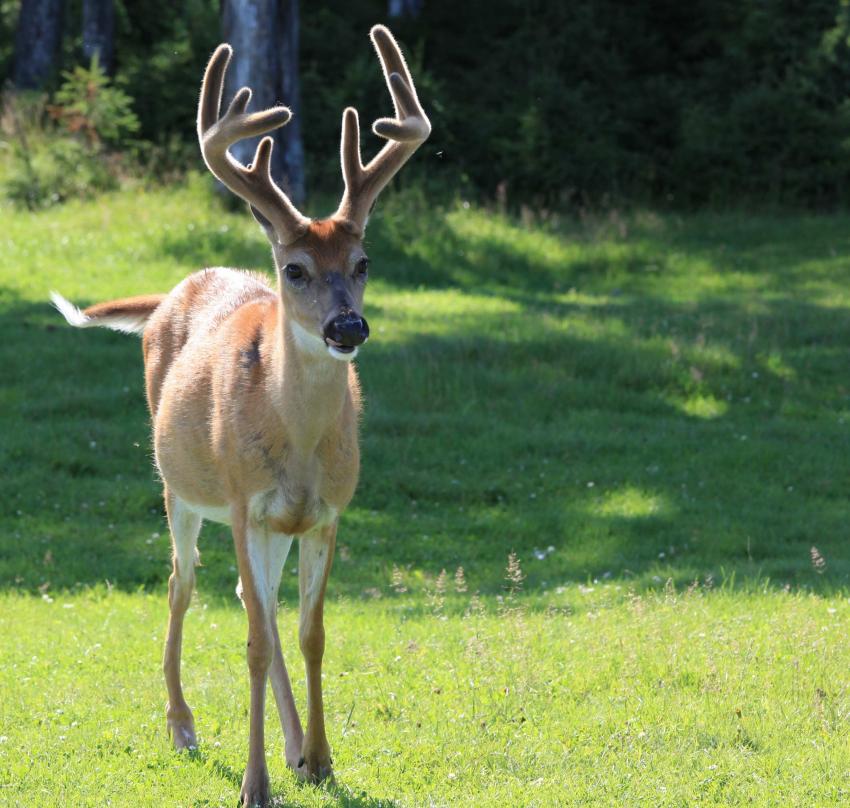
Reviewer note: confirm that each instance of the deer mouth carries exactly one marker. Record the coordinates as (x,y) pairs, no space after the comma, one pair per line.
(340,351)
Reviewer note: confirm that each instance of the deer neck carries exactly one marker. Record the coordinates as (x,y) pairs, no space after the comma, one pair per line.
(310,386)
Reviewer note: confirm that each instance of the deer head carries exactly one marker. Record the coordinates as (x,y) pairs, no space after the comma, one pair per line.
(321,265)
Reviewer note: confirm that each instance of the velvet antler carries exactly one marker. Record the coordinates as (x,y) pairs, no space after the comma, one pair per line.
(217,133)
(405,133)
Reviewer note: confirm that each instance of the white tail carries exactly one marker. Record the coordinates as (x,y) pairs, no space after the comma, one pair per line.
(129,314)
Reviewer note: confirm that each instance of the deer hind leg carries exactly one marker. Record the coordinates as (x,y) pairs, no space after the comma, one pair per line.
(314,564)
(184,525)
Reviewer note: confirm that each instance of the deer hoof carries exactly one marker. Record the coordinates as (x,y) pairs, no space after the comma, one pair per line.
(255,790)
(181,728)
(314,768)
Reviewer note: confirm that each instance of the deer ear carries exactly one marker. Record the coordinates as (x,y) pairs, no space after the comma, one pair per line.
(267,226)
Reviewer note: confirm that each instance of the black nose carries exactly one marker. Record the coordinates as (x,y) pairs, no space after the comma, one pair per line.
(347,329)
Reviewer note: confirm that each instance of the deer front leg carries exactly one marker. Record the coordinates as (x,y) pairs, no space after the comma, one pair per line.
(256,596)
(289,721)
(314,564)
(272,556)
(184,526)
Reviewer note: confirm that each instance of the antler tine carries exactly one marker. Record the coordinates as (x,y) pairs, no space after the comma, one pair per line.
(405,133)
(216,133)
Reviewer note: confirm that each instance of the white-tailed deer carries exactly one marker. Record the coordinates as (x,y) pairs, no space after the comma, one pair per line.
(255,403)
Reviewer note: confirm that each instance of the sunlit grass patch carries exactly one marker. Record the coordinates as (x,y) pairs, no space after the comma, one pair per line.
(631,503)
(674,697)
(702,406)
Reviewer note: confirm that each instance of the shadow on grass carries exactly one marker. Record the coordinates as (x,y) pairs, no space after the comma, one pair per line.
(340,795)
(630,437)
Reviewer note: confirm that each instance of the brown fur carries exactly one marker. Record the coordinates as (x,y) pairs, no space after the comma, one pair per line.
(142,305)
(254,410)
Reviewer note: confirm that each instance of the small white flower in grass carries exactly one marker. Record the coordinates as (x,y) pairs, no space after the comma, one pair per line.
(591,484)
(397,581)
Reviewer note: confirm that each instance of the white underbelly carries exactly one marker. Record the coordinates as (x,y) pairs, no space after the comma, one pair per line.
(212,513)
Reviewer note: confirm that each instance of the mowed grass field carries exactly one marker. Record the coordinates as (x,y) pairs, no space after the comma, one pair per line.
(651,412)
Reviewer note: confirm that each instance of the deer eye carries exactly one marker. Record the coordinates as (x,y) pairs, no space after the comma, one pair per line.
(362,268)
(294,274)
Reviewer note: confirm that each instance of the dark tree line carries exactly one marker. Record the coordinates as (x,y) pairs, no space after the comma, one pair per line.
(555,102)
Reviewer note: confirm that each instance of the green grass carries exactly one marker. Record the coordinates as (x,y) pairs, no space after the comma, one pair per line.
(630,404)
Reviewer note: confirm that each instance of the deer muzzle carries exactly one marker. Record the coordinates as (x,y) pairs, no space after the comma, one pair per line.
(346,331)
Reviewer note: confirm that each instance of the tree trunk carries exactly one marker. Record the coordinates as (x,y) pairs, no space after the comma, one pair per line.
(404,8)
(264,36)
(37,42)
(98,28)
(290,86)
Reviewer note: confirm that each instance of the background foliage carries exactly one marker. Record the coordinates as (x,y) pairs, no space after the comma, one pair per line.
(552,104)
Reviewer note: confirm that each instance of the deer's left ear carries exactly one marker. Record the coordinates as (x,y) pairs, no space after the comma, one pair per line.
(267,226)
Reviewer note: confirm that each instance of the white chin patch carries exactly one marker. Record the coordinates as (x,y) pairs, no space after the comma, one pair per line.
(343,357)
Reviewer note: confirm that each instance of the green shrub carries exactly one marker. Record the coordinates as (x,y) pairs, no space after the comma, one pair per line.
(60,168)
(87,103)
(68,148)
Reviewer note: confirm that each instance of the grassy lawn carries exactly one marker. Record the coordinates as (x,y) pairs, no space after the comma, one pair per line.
(650,411)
